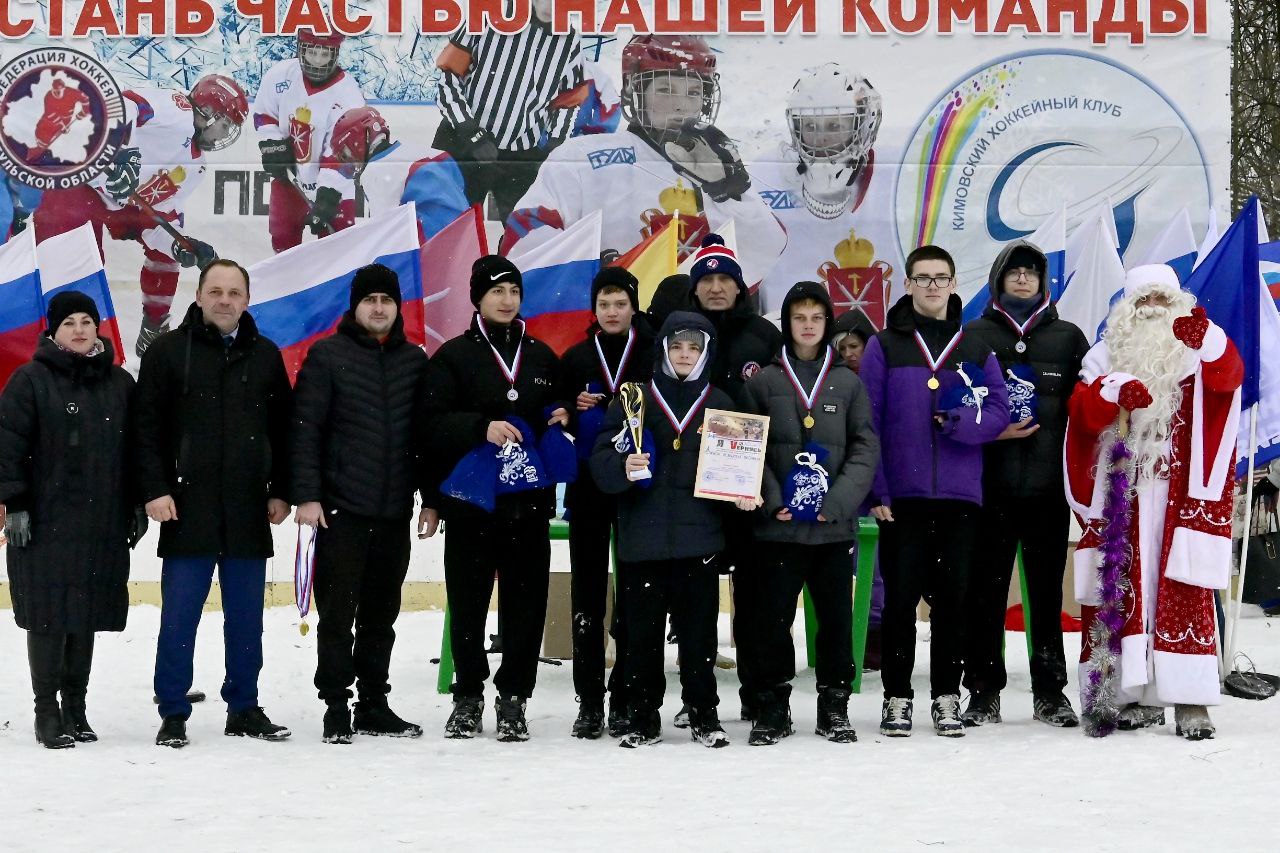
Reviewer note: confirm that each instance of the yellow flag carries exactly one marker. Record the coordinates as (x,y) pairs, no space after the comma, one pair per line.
(652,260)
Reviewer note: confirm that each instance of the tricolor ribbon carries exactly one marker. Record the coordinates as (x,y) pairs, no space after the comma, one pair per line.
(512,372)
(935,364)
(304,569)
(679,425)
(613,380)
(811,396)
(1021,328)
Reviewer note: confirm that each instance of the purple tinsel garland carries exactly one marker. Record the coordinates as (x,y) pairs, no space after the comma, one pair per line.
(1098,693)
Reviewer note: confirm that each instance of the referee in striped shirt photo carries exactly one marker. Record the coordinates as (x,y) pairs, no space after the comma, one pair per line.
(505,102)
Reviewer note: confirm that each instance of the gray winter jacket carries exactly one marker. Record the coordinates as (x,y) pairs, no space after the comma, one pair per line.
(842,425)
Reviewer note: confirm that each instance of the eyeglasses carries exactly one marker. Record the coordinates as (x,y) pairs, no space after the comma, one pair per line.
(1022,272)
(939,281)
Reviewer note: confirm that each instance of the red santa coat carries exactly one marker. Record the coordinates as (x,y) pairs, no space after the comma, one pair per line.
(1169,640)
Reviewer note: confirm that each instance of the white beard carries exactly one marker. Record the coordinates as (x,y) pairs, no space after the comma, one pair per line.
(1140,341)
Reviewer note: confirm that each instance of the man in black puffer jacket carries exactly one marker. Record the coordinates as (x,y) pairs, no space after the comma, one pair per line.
(355,468)
(1023,501)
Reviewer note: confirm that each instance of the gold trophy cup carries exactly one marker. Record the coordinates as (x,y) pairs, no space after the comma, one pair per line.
(631,397)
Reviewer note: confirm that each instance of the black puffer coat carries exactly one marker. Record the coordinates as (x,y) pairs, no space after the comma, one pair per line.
(1031,466)
(63,454)
(665,521)
(211,429)
(466,391)
(353,441)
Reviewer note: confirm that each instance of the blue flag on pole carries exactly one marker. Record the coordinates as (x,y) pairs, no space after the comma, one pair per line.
(1227,283)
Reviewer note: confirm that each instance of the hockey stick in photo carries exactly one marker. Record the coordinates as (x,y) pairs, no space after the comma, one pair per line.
(293,182)
(178,237)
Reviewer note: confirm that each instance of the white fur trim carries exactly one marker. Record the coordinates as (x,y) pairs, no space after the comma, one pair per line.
(1202,484)
(1111,385)
(1133,661)
(1187,679)
(1085,563)
(1149,276)
(1097,362)
(1215,344)
(1199,559)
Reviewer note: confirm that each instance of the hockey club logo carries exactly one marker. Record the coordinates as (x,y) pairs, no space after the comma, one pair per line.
(282,87)
(856,280)
(712,264)
(1002,150)
(62,118)
(164,184)
(612,157)
(751,368)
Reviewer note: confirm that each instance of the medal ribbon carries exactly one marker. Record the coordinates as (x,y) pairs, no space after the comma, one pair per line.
(811,397)
(613,380)
(512,372)
(304,569)
(935,364)
(679,425)
(1021,329)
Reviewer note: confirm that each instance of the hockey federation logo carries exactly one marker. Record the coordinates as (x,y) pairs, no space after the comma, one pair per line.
(712,264)
(61,118)
(779,199)
(612,157)
(751,368)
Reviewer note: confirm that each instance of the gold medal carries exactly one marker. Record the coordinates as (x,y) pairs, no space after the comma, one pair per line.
(933,383)
(675,444)
(303,628)
(808,421)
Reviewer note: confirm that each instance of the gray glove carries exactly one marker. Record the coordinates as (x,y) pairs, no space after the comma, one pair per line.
(17,528)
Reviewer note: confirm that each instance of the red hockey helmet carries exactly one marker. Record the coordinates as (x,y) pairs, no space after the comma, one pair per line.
(220,108)
(360,134)
(318,54)
(667,79)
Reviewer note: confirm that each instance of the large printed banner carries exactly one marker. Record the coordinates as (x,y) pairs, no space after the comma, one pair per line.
(830,138)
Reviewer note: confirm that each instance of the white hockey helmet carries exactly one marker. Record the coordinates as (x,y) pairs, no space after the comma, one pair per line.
(833,116)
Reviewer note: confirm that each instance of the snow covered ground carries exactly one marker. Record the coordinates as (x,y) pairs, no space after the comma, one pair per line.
(1018,786)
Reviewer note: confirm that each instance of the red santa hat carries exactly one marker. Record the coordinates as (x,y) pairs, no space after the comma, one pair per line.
(1149,277)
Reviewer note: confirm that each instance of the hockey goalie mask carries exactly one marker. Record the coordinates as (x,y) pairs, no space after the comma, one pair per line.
(318,55)
(833,117)
(220,107)
(667,80)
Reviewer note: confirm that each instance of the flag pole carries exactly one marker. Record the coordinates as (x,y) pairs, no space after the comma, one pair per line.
(1237,599)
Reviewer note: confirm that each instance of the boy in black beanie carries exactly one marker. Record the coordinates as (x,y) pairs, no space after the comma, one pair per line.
(616,350)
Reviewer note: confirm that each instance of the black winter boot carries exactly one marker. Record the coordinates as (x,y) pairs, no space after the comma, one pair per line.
(590,722)
(173,733)
(375,718)
(619,719)
(337,724)
(983,709)
(512,727)
(705,728)
(254,723)
(467,718)
(833,715)
(77,663)
(772,720)
(643,729)
(44,654)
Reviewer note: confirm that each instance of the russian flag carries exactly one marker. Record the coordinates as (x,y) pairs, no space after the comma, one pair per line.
(557,275)
(300,294)
(21,308)
(72,261)
(1269,264)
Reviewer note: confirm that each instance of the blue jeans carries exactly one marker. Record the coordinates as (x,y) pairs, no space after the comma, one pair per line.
(184,586)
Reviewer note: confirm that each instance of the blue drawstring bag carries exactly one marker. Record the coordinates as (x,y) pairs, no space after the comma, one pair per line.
(589,424)
(556,448)
(970,389)
(622,444)
(806,485)
(1020,380)
(520,467)
(474,477)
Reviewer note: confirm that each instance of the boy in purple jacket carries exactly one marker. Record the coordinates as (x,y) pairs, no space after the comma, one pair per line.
(937,396)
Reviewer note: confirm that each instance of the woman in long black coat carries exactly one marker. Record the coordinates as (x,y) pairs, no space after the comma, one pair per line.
(69,518)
